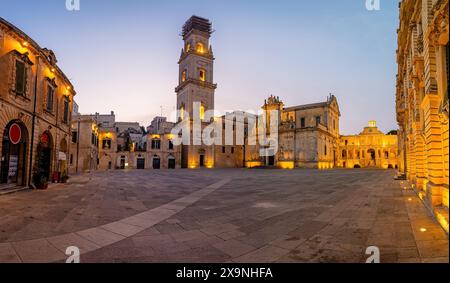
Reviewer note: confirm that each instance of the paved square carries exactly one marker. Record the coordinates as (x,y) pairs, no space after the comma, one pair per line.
(226,215)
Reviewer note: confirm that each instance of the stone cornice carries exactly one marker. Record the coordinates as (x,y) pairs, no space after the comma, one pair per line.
(197,83)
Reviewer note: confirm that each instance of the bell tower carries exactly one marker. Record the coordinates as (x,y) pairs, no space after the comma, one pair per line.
(196,67)
(196,87)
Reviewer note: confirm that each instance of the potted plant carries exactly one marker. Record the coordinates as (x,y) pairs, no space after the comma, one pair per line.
(42,182)
(64,177)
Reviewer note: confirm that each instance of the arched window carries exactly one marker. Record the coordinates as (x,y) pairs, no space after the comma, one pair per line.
(182,109)
(202,75)
(188,47)
(184,76)
(200,48)
(202,112)
(344,154)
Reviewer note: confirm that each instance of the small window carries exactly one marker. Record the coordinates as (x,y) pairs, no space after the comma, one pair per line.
(71,159)
(170,145)
(325,150)
(302,122)
(156,144)
(50,97)
(74,137)
(223,149)
(21,78)
(106,144)
(202,75)
(184,76)
(232,150)
(317,120)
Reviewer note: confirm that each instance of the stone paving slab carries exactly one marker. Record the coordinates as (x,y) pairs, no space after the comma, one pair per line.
(229,215)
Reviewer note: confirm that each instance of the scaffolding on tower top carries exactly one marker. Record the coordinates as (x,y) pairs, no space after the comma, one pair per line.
(197,23)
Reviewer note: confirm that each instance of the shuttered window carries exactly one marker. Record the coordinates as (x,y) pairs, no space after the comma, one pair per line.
(66,111)
(21,78)
(50,97)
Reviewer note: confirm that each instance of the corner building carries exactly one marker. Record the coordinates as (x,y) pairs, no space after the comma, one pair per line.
(36,100)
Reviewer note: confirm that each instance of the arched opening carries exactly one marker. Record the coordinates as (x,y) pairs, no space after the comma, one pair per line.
(372,154)
(14,154)
(202,112)
(171,162)
(390,166)
(123,162)
(182,110)
(156,162)
(44,158)
(344,154)
(184,76)
(140,162)
(357,166)
(200,48)
(202,75)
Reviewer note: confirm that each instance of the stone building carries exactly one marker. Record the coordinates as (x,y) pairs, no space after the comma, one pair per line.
(196,86)
(84,145)
(370,149)
(308,134)
(36,100)
(422,100)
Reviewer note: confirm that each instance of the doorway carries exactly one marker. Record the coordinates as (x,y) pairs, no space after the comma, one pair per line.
(172,164)
(44,157)
(140,163)
(202,160)
(13,156)
(271,160)
(156,162)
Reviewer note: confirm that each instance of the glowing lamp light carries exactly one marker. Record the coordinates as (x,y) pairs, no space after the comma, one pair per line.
(25,44)
(53,70)
(410,199)
(423,230)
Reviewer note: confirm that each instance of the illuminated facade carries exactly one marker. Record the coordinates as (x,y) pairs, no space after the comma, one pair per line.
(35,111)
(84,144)
(422,100)
(196,85)
(308,134)
(370,149)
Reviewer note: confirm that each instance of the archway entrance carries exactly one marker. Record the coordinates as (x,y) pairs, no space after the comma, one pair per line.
(171,162)
(44,158)
(14,154)
(156,162)
(372,155)
(140,163)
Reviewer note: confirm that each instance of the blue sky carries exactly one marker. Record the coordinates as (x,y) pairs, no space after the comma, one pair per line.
(122,55)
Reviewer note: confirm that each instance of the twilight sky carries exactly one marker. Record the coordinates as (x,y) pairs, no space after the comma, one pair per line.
(122,55)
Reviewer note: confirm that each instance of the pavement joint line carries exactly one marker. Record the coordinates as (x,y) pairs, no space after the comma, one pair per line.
(160,214)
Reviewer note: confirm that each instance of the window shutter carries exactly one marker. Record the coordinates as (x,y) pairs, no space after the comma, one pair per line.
(20,78)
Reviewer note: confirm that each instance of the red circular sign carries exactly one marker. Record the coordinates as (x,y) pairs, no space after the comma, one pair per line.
(15,133)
